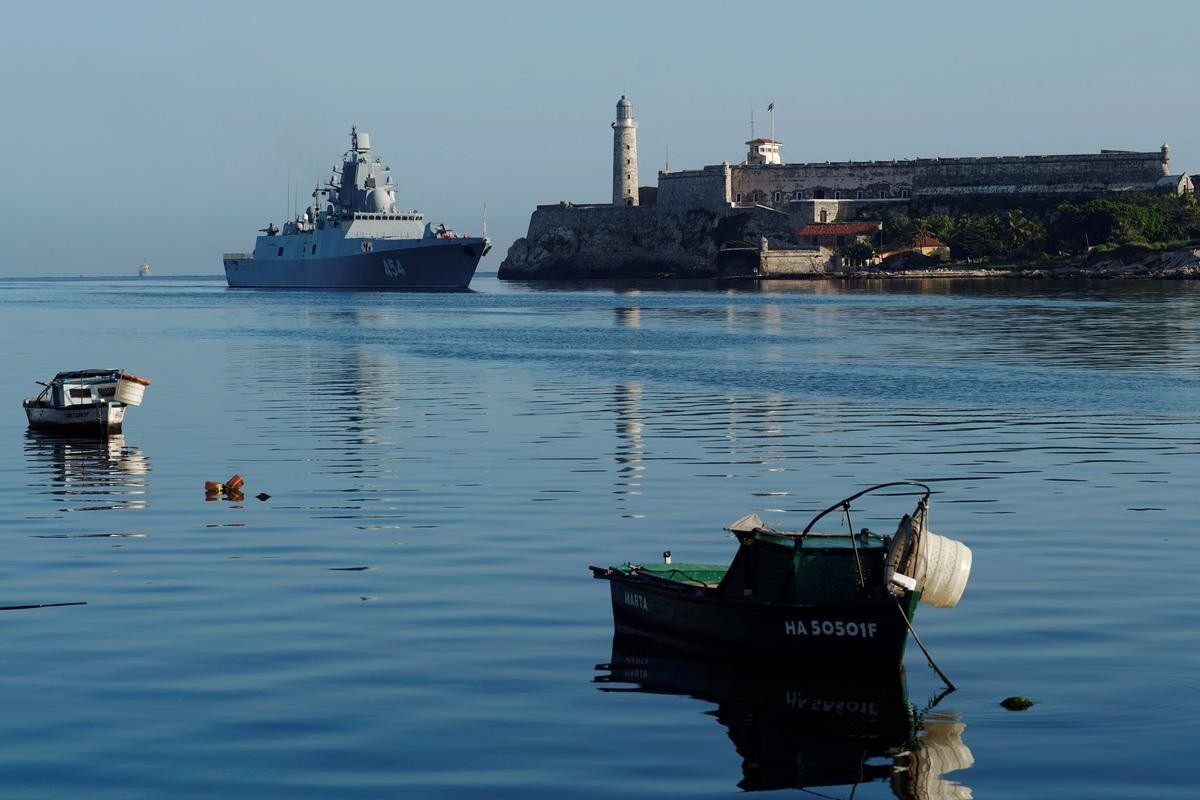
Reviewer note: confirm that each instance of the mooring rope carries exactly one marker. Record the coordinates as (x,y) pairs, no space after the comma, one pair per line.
(921,645)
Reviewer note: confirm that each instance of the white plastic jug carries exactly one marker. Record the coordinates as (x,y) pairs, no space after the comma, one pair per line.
(942,568)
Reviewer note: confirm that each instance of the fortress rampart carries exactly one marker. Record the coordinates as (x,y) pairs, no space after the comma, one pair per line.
(776,185)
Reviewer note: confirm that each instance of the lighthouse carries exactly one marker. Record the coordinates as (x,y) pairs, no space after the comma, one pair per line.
(625,177)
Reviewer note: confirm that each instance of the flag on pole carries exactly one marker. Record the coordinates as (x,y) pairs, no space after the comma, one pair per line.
(771,107)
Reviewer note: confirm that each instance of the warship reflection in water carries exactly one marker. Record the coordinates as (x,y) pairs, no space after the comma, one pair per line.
(353,237)
(797,731)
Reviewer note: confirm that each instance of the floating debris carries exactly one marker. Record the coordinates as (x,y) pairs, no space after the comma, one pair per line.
(1016,703)
(89,536)
(348,569)
(263,496)
(41,605)
(229,490)
(110,536)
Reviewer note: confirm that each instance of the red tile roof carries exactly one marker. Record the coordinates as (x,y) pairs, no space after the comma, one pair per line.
(929,241)
(839,228)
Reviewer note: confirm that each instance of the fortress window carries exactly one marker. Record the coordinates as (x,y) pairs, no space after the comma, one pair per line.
(882,193)
(861,194)
(837,195)
(778,196)
(824,217)
(737,198)
(904,192)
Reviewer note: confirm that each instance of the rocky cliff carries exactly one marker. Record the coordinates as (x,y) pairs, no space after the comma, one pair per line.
(1136,263)
(570,241)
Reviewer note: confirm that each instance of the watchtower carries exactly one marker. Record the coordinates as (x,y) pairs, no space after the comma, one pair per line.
(625,177)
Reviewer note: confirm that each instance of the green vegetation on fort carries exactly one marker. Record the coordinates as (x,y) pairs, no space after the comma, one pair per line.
(1028,233)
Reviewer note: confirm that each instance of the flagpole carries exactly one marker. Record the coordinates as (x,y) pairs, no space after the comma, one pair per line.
(771,108)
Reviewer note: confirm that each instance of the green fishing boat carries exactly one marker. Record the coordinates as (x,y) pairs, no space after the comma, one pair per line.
(817,599)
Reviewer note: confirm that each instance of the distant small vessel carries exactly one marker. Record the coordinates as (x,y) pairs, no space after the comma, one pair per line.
(818,600)
(88,401)
(144,269)
(353,237)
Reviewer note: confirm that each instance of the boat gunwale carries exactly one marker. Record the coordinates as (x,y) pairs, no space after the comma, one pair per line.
(708,592)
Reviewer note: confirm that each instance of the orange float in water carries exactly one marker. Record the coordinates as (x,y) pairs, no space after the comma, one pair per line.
(236,482)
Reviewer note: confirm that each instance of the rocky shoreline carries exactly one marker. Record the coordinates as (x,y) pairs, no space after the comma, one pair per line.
(567,242)
(1183,264)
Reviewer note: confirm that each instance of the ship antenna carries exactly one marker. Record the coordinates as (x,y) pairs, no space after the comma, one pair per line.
(485,220)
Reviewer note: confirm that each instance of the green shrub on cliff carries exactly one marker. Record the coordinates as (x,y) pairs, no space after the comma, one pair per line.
(1139,218)
(1022,234)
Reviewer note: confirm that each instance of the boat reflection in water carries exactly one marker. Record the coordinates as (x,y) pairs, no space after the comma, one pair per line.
(88,473)
(795,731)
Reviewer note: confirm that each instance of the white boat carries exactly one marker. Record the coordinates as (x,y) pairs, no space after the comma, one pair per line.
(144,269)
(90,401)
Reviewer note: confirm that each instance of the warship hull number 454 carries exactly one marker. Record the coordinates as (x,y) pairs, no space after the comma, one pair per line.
(352,237)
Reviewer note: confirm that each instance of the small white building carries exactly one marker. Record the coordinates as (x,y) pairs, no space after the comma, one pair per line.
(763,151)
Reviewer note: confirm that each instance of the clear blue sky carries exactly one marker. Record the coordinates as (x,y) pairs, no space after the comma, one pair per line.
(168,132)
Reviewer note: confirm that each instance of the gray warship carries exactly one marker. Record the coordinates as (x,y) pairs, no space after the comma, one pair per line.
(352,237)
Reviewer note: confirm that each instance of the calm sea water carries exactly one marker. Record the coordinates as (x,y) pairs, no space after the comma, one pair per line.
(410,613)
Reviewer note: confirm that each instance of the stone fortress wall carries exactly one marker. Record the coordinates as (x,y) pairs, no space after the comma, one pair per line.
(777,185)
